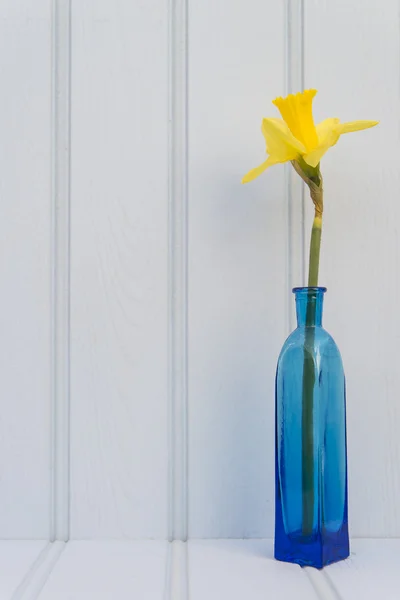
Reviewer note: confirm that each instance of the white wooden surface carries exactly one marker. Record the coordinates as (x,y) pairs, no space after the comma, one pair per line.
(108,571)
(119,269)
(25,269)
(173,277)
(238,569)
(199,570)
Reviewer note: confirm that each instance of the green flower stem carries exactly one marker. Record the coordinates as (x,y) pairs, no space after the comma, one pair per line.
(308,385)
(307,430)
(315,247)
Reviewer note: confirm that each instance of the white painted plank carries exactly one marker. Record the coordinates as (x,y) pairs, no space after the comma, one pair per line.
(16,559)
(119,269)
(237,266)
(371,572)
(109,570)
(352,58)
(178,583)
(25,35)
(238,569)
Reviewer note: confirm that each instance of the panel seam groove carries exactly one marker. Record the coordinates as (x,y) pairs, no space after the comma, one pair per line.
(178,270)
(322,584)
(178,576)
(294,81)
(332,587)
(36,577)
(60,275)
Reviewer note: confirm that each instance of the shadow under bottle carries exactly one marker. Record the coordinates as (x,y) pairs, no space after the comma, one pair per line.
(311,526)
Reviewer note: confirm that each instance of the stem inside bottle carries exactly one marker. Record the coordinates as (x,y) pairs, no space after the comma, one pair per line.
(308,384)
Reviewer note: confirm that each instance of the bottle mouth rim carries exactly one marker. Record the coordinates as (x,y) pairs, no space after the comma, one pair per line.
(305,290)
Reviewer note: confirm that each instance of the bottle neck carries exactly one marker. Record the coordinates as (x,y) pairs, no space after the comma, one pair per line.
(309,306)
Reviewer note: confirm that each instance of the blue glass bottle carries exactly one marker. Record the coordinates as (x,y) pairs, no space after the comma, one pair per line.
(311,465)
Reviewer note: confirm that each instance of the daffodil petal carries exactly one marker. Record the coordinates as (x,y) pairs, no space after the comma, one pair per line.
(328,133)
(328,130)
(357,126)
(296,110)
(260,169)
(280,141)
(282,146)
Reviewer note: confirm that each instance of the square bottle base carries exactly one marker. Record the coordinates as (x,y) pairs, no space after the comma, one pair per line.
(317,551)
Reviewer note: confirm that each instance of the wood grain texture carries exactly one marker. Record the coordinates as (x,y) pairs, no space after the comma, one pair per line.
(237,266)
(16,559)
(237,569)
(352,57)
(108,571)
(119,269)
(25,71)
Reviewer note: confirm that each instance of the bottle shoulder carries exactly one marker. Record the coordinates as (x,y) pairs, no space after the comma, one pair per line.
(316,339)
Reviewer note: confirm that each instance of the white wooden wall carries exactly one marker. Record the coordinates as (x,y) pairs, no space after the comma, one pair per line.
(145,294)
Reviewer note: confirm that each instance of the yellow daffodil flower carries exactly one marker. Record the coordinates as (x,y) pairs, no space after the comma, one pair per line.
(296,138)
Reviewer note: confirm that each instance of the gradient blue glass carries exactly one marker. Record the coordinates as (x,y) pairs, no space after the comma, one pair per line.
(327,541)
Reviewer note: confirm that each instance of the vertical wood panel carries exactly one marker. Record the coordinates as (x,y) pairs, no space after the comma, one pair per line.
(119,250)
(25,33)
(237,266)
(352,57)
